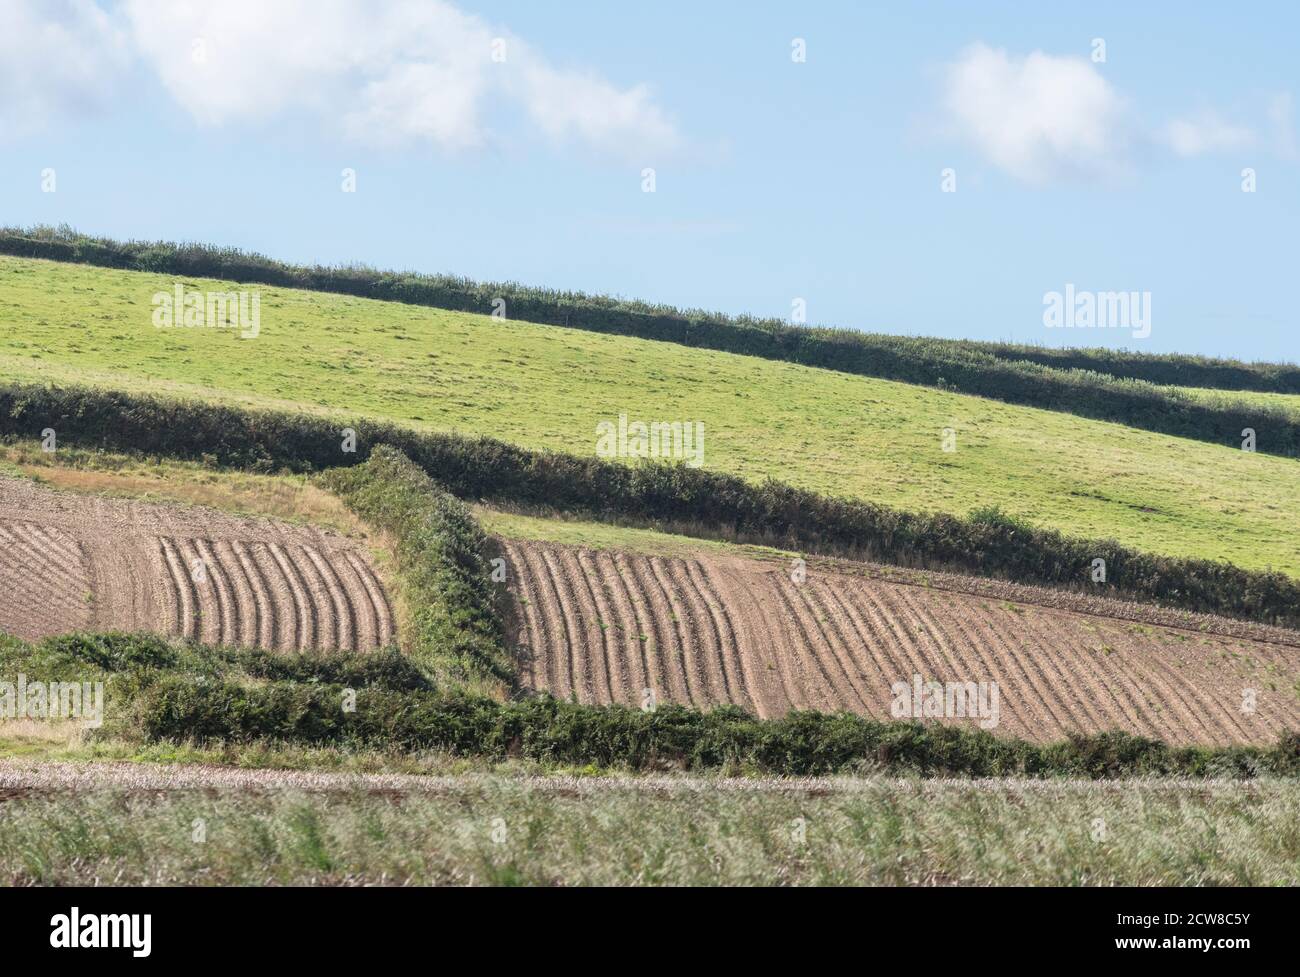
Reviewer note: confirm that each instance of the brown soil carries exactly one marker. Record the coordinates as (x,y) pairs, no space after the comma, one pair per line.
(74,562)
(604,627)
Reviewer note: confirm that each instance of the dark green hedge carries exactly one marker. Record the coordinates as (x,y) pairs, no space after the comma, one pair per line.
(156,690)
(1171,369)
(988,370)
(453,630)
(712,503)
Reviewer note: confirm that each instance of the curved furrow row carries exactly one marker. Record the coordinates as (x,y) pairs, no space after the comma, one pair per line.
(806,634)
(249,610)
(864,632)
(669,680)
(671,651)
(631,623)
(760,638)
(54,566)
(836,648)
(893,647)
(1110,679)
(304,617)
(736,660)
(622,661)
(381,610)
(1035,688)
(1168,696)
(201,576)
(1188,707)
(290,625)
(533,638)
(591,626)
(749,652)
(221,593)
(180,596)
(338,624)
(705,637)
(1076,688)
(579,648)
(42,588)
(551,646)
(56,546)
(325,623)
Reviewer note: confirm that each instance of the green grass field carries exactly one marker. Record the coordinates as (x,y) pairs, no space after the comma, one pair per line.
(495,830)
(547,387)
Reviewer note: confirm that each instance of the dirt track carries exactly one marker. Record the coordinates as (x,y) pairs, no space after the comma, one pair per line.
(70,562)
(603,627)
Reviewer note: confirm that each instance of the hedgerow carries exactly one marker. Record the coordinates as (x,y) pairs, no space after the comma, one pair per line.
(156,690)
(453,630)
(710,502)
(1166,369)
(1013,374)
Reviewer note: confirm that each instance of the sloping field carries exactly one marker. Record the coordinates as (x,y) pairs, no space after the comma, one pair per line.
(549,387)
(73,562)
(604,626)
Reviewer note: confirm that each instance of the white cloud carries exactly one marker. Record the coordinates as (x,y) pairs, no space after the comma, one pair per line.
(1281,116)
(1038,117)
(390,72)
(60,57)
(1205,133)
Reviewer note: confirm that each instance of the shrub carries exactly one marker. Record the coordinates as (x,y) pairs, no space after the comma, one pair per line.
(183,692)
(453,630)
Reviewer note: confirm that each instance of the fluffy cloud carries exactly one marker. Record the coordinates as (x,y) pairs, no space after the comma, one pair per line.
(1205,133)
(59,57)
(392,72)
(1281,117)
(1038,117)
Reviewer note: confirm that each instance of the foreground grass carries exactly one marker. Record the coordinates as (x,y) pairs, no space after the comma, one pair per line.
(494,830)
(548,387)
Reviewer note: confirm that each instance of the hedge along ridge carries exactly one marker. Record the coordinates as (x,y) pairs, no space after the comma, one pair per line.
(989,370)
(1165,369)
(453,630)
(160,690)
(709,502)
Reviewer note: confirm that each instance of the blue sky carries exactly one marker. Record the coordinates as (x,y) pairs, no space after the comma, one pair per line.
(774,179)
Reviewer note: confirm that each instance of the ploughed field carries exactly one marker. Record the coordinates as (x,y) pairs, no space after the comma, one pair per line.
(604,626)
(73,562)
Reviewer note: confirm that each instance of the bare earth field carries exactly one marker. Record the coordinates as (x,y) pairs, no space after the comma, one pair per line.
(75,562)
(603,626)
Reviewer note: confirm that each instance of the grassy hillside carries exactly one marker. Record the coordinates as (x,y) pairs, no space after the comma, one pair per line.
(547,387)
